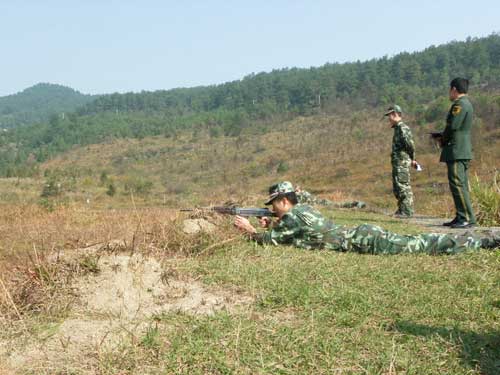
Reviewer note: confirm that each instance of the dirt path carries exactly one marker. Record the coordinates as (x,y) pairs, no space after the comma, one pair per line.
(435,224)
(432,224)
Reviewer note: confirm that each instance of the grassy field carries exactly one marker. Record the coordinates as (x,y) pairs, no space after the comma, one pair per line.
(98,277)
(303,311)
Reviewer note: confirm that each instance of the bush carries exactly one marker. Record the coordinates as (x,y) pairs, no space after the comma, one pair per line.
(138,185)
(282,167)
(486,201)
(51,188)
(111,190)
(104,178)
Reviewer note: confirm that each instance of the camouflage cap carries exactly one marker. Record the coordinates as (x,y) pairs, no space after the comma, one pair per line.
(279,189)
(393,108)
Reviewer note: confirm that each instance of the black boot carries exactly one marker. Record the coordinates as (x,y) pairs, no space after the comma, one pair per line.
(462,225)
(450,223)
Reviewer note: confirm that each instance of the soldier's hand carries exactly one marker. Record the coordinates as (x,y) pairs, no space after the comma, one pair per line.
(244,225)
(265,222)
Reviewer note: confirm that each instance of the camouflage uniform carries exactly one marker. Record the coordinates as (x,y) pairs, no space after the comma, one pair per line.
(304,196)
(306,228)
(403,152)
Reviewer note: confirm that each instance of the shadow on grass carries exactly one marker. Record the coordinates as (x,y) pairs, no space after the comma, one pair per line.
(480,351)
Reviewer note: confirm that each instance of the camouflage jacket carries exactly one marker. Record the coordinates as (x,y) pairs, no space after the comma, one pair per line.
(303,227)
(306,228)
(403,146)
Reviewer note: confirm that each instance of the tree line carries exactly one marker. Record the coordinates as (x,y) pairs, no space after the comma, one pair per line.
(417,81)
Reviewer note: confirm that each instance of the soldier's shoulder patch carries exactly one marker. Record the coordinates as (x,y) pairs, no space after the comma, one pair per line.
(456,110)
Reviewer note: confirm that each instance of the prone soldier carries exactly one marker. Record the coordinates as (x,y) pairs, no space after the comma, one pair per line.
(305,197)
(302,226)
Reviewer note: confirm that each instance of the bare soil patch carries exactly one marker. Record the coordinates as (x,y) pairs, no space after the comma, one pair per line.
(115,306)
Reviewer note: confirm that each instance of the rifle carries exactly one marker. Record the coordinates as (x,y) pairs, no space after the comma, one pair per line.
(231,210)
(437,137)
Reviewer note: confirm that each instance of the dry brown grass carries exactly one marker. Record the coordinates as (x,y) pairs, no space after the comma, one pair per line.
(42,252)
(47,334)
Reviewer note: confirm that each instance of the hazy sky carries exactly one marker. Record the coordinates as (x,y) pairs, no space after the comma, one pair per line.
(101,46)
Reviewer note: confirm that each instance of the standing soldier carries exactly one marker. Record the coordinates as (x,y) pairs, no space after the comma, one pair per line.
(402,158)
(457,152)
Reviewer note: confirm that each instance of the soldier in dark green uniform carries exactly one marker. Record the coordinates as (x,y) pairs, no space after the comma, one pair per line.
(402,158)
(302,226)
(457,152)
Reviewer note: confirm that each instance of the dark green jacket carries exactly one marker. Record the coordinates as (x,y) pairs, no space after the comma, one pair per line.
(457,134)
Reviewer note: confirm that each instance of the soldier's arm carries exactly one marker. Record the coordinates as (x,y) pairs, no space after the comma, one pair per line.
(283,233)
(410,144)
(454,121)
(458,115)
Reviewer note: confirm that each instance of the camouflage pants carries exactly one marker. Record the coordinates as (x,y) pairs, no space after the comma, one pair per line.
(401,186)
(372,239)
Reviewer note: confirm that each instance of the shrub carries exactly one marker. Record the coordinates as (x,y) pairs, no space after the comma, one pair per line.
(282,167)
(138,185)
(111,190)
(51,188)
(486,201)
(104,178)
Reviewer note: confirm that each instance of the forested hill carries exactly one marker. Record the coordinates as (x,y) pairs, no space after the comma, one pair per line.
(410,79)
(37,103)
(417,81)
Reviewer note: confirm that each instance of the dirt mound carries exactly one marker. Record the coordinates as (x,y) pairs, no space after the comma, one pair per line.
(113,305)
(131,287)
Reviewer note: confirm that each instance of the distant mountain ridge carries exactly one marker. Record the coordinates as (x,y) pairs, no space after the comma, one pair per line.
(38,103)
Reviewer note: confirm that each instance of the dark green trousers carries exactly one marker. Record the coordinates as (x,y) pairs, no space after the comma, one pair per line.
(459,186)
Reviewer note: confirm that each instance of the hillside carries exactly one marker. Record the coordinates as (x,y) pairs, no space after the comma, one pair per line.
(253,105)
(337,157)
(38,103)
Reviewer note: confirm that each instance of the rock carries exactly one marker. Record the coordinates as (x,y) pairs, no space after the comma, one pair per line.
(192,226)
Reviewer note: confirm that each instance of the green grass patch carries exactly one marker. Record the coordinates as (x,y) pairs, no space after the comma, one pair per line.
(323,312)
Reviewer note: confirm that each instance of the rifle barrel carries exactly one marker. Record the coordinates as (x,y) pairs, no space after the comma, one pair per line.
(229,210)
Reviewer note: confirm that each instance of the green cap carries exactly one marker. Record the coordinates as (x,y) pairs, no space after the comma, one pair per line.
(279,189)
(393,108)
